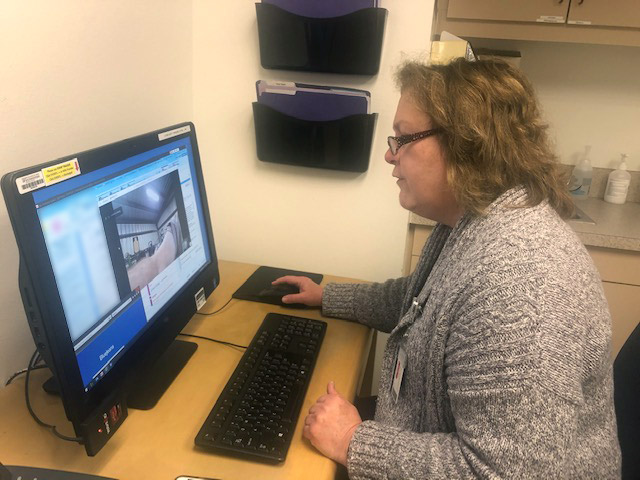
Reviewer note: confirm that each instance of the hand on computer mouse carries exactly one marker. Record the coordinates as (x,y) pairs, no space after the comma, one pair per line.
(310,292)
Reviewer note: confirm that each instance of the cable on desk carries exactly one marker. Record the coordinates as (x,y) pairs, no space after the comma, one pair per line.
(32,363)
(217,311)
(20,372)
(229,344)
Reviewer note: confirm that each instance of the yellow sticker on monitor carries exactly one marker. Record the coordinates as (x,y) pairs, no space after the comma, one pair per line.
(61,171)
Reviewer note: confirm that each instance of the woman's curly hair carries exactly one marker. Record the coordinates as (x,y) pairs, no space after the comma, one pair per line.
(493,137)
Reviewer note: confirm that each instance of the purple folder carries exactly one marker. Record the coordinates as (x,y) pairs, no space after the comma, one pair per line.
(322,8)
(312,102)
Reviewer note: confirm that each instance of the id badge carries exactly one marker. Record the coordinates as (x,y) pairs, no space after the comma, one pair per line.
(398,372)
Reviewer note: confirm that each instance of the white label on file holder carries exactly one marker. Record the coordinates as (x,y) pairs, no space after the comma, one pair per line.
(286,88)
(281,84)
(174,133)
(579,22)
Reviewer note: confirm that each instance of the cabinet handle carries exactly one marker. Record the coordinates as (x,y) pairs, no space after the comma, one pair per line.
(580,2)
(560,1)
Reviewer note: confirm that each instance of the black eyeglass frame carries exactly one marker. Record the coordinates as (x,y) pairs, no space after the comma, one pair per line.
(412,137)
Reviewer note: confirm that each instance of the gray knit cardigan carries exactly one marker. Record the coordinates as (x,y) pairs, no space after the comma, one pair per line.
(507,334)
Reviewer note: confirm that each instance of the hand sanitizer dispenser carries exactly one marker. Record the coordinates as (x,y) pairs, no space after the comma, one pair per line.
(618,183)
(581,176)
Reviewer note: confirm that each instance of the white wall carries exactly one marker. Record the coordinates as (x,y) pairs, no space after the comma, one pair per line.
(590,95)
(294,217)
(77,74)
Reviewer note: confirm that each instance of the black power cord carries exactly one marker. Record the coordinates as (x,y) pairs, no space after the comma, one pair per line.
(21,372)
(216,311)
(32,364)
(229,344)
(35,358)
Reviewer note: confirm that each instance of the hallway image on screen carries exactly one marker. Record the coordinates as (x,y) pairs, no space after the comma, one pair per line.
(152,228)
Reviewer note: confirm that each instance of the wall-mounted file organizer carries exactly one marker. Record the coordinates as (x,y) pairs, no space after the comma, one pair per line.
(343,144)
(349,44)
(313,125)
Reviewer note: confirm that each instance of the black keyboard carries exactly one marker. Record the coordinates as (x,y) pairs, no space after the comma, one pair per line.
(256,414)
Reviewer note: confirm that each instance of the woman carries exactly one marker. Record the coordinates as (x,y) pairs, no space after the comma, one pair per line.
(498,360)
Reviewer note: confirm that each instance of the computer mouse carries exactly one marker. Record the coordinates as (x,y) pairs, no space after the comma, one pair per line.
(279,290)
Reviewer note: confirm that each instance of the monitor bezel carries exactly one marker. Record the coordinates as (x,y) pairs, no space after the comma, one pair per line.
(53,339)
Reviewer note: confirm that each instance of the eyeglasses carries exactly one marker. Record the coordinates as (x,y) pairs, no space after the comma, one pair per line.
(396,142)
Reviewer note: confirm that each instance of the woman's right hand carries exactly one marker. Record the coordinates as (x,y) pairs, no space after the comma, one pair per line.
(310,293)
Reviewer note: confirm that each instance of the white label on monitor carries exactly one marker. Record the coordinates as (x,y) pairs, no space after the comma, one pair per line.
(174,133)
(30,182)
(61,171)
(200,299)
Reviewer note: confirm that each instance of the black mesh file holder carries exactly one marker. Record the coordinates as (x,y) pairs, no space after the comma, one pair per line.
(349,44)
(343,144)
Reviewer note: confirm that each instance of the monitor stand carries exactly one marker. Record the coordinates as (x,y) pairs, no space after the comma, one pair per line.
(152,382)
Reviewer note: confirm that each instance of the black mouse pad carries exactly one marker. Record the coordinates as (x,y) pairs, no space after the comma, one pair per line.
(258,286)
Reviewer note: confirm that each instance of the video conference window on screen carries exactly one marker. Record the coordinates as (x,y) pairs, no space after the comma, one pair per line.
(122,244)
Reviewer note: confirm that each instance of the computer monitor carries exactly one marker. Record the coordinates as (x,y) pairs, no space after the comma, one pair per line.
(116,255)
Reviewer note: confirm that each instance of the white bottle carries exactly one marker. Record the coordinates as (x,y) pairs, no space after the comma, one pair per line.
(581,176)
(618,183)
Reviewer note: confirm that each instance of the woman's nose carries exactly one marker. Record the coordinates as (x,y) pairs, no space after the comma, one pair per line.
(390,157)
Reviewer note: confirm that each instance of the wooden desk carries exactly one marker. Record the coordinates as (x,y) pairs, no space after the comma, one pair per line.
(158,444)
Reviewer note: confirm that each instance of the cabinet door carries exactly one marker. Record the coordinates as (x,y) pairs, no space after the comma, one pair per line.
(616,266)
(612,13)
(620,274)
(624,305)
(554,11)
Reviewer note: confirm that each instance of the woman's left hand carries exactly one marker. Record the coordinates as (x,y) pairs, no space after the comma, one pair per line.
(331,423)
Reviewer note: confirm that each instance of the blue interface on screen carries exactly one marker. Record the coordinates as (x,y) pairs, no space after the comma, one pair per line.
(123,240)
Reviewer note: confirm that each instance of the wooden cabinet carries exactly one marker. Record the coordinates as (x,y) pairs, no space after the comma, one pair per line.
(615,22)
(620,274)
(613,13)
(624,306)
(509,10)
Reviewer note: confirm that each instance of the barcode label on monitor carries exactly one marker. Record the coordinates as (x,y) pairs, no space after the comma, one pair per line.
(30,182)
(200,299)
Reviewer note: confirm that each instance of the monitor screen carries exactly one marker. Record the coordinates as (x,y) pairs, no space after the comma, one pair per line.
(121,241)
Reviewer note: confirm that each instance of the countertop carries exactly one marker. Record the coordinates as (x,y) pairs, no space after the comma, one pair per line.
(616,226)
